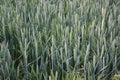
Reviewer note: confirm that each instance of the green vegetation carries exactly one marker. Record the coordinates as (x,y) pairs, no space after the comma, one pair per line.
(59,39)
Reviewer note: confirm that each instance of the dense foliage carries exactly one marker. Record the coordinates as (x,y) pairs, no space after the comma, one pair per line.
(59,39)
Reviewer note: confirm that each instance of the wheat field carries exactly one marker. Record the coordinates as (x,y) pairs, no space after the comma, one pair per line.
(59,39)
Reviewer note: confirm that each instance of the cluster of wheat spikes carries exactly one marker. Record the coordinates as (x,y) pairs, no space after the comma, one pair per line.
(59,39)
